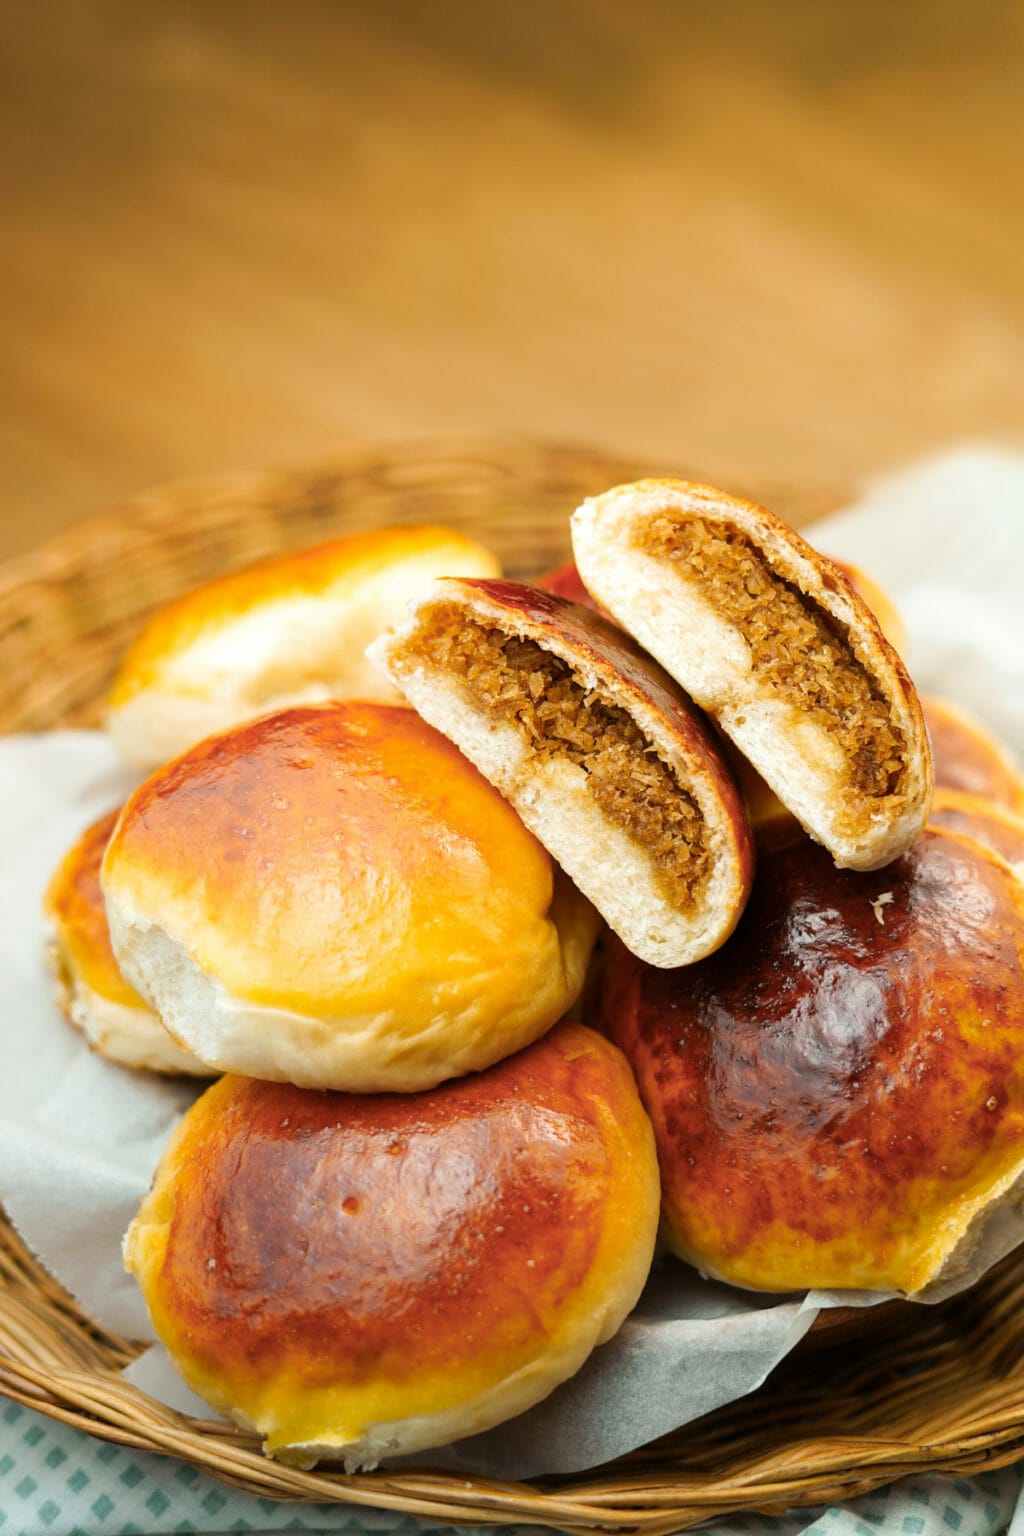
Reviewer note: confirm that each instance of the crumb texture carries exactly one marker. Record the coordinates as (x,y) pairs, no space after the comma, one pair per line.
(516,680)
(799,652)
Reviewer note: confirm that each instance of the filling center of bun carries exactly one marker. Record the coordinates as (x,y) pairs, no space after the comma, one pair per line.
(516,679)
(798,651)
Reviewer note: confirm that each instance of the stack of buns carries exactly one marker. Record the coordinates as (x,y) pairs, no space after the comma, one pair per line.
(420,1196)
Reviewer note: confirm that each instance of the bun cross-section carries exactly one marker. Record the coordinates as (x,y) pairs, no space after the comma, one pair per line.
(605,760)
(776,644)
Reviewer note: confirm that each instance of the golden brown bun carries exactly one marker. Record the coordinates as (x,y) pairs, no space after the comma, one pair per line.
(969,757)
(565,581)
(290,630)
(92,993)
(333,896)
(600,753)
(772,640)
(990,824)
(838,1094)
(374,1275)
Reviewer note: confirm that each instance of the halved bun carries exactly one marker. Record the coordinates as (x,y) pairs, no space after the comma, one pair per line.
(290,630)
(333,896)
(366,1276)
(772,640)
(838,1094)
(597,749)
(890,620)
(92,993)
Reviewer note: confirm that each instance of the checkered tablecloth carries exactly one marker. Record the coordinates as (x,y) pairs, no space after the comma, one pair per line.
(56,1481)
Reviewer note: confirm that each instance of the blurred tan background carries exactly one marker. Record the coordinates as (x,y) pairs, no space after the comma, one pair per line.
(778,240)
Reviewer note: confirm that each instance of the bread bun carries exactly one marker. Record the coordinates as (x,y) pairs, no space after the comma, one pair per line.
(289,630)
(363,1276)
(565,581)
(992,825)
(600,753)
(838,1094)
(770,638)
(969,757)
(91,992)
(333,896)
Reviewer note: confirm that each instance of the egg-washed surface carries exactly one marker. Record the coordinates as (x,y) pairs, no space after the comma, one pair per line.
(334,896)
(840,1090)
(516,680)
(289,853)
(75,906)
(969,758)
(322,1263)
(798,651)
(341,570)
(991,824)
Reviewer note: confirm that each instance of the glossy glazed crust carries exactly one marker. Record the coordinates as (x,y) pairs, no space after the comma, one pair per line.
(838,1095)
(93,995)
(992,825)
(969,757)
(291,629)
(334,896)
(77,915)
(366,1273)
(565,581)
(562,813)
(669,616)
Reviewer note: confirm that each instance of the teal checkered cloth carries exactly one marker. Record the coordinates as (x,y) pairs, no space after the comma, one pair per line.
(56,1481)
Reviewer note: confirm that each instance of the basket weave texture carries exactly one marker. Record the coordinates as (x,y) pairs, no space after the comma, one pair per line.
(936,1389)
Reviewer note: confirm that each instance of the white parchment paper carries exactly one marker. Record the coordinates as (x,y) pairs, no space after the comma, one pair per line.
(80,1138)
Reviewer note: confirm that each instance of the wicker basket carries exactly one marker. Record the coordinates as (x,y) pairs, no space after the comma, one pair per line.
(931,1389)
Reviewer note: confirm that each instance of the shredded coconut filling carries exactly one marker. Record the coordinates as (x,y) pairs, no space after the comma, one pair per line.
(516,680)
(801,653)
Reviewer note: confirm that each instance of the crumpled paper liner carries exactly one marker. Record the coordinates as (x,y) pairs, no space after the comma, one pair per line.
(80,1138)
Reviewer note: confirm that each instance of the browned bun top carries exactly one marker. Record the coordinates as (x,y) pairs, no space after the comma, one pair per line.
(993,825)
(838,1094)
(91,991)
(605,758)
(77,913)
(566,581)
(969,757)
(324,1264)
(334,896)
(292,629)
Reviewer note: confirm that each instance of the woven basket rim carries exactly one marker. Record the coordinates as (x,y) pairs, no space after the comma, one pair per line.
(814,1445)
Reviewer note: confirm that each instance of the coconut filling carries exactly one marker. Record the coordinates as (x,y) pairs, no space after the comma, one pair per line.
(515,680)
(800,653)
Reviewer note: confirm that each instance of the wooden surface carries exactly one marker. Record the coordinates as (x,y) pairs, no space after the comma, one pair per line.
(777,241)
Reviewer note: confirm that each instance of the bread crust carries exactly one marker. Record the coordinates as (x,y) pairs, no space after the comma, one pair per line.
(333,896)
(555,790)
(796,750)
(372,1275)
(287,630)
(91,991)
(969,757)
(838,1095)
(993,825)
